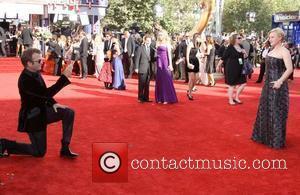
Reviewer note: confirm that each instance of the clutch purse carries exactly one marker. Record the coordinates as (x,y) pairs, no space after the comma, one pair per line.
(190,66)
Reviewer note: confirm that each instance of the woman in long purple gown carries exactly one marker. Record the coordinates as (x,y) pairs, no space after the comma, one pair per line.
(164,87)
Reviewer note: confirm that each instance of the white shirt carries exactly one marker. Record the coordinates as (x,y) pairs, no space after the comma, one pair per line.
(125,46)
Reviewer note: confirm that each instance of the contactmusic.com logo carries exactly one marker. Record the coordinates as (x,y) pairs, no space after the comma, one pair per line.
(109,163)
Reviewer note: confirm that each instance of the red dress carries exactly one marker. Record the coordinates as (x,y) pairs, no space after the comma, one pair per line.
(105,73)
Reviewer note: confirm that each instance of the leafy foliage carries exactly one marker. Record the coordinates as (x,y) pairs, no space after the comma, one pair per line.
(235,13)
(180,15)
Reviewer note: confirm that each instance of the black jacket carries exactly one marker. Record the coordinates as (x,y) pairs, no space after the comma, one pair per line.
(143,61)
(84,47)
(55,49)
(107,46)
(182,49)
(35,97)
(27,36)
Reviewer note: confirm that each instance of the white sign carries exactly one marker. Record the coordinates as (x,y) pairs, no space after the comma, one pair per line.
(84,18)
(288,16)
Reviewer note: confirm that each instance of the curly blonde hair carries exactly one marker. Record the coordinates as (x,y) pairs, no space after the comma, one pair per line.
(278,31)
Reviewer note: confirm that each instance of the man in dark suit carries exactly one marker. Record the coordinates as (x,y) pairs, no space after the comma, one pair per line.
(107,42)
(84,47)
(38,108)
(143,59)
(182,55)
(56,52)
(27,37)
(128,46)
(2,41)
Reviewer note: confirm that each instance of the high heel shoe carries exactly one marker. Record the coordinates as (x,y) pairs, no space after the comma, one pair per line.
(190,97)
(237,101)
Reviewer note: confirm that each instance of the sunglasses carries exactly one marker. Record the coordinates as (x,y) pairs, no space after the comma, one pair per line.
(39,61)
(239,38)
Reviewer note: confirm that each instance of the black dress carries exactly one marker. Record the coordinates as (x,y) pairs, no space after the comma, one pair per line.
(270,124)
(233,69)
(194,60)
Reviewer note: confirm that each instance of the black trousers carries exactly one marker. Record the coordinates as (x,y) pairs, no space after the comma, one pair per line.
(261,72)
(186,71)
(38,146)
(58,66)
(128,65)
(144,82)
(83,60)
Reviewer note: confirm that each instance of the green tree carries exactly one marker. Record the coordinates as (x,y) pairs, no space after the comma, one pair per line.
(235,13)
(178,15)
(123,14)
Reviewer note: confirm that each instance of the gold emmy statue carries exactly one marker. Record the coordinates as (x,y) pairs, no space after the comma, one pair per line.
(207,7)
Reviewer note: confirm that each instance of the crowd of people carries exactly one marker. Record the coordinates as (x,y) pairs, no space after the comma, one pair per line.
(192,58)
(88,53)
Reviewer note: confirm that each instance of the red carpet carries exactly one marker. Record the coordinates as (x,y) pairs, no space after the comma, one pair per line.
(207,128)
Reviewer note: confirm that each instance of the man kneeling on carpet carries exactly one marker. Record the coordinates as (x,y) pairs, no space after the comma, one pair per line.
(38,108)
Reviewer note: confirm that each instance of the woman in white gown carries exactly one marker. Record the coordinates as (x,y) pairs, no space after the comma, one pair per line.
(99,54)
(203,77)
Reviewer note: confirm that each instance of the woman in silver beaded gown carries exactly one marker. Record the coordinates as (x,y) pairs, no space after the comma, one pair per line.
(271,119)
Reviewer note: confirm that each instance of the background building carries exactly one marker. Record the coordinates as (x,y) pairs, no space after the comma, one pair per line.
(290,23)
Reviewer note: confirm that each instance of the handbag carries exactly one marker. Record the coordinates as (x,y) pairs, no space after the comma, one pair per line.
(190,66)
(247,68)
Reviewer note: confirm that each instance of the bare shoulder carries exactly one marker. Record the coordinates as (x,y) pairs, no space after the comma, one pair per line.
(190,45)
(284,51)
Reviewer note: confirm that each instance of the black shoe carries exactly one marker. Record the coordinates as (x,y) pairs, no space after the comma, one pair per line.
(67,153)
(190,97)
(3,148)
(148,101)
(237,101)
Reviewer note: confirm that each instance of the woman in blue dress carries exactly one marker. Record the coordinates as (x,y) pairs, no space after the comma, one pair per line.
(119,77)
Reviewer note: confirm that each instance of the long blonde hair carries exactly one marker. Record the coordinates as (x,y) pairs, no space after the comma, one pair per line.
(162,38)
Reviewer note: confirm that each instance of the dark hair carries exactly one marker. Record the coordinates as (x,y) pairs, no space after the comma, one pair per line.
(27,55)
(108,33)
(114,52)
(232,39)
(146,36)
